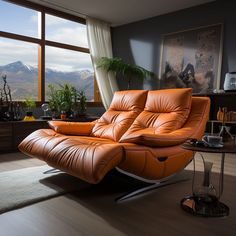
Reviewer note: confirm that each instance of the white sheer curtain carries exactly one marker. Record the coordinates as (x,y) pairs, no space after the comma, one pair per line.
(99,39)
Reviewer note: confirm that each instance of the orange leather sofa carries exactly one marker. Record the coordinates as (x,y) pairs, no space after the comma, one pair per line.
(140,134)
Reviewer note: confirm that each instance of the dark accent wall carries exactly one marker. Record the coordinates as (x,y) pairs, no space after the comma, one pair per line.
(140,42)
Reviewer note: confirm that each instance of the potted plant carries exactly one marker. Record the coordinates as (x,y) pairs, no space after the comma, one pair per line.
(119,67)
(64,100)
(29,104)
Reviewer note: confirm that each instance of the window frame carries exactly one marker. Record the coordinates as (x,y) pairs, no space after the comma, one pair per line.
(42,42)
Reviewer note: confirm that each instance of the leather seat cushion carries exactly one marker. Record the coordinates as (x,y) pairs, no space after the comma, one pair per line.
(87,158)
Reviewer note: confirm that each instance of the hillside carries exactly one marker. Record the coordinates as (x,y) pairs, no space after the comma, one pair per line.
(23,80)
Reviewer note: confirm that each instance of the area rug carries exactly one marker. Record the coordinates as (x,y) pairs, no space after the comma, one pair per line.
(23,187)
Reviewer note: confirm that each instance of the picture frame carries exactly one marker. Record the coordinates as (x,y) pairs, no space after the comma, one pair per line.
(192,58)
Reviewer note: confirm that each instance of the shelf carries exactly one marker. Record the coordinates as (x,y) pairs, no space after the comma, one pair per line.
(226,122)
(214,94)
(216,123)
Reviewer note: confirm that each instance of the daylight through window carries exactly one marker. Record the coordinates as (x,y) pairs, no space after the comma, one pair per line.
(41,46)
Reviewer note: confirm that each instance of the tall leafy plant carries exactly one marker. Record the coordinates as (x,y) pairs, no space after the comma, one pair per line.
(119,67)
(62,98)
(54,98)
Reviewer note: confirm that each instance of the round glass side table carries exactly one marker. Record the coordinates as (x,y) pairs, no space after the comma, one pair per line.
(204,200)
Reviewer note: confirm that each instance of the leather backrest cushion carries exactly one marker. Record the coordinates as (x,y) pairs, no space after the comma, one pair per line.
(125,107)
(198,116)
(165,111)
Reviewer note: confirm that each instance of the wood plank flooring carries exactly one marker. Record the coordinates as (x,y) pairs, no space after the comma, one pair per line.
(93,211)
(229,166)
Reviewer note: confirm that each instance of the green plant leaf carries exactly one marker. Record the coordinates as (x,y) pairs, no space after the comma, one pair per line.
(118,66)
(66,98)
(30,103)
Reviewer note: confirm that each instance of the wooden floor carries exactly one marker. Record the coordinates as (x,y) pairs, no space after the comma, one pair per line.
(229,165)
(94,212)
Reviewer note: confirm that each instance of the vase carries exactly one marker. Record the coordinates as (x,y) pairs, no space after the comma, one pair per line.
(206,192)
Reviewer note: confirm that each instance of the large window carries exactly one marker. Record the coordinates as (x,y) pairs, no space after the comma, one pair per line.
(19,61)
(66,66)
(41,46)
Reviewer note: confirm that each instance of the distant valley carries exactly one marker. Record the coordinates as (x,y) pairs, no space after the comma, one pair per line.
(23,80)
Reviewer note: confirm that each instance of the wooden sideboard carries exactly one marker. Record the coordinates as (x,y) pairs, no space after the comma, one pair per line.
(13,132)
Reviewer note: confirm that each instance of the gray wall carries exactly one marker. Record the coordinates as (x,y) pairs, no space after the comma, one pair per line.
(140,42)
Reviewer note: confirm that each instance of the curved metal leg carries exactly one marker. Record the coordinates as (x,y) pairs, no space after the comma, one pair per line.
(194,171)
(221,180)
(146,189)
(52,171)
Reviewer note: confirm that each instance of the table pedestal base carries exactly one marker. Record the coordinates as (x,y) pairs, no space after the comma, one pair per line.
(202,207)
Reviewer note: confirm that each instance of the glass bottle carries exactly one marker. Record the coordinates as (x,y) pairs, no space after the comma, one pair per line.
(206,192)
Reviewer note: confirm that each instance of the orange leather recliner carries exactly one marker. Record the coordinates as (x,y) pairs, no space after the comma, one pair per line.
(140,134)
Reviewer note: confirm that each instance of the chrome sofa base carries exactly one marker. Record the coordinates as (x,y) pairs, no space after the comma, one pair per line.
(153,185)
(52,171)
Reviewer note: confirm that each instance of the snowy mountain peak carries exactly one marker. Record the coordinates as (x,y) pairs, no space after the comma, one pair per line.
(17,66)
(22,77)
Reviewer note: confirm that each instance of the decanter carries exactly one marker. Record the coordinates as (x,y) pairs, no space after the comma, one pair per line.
(206,192)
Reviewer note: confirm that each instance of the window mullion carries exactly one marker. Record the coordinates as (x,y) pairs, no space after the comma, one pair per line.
(41,61)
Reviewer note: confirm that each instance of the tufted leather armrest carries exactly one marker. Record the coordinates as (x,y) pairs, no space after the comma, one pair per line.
(72,128)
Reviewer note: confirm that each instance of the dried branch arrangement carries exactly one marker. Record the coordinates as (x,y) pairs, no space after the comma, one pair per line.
(6,104)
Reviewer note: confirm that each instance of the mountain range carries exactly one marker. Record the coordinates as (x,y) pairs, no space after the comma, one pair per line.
(23,80)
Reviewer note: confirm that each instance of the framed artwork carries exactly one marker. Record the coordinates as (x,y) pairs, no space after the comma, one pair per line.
(192,59)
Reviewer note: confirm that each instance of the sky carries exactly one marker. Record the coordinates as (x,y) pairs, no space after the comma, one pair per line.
(20,20)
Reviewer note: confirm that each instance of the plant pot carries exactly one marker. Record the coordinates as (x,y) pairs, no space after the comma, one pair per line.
(29,113)
(29,116)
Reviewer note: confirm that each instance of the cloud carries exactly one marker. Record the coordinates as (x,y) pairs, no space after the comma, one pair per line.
(50,20)
(67,60)
(13,50)
(53,20)
(56,58)
(65,31)
(34,18)
(75,36)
